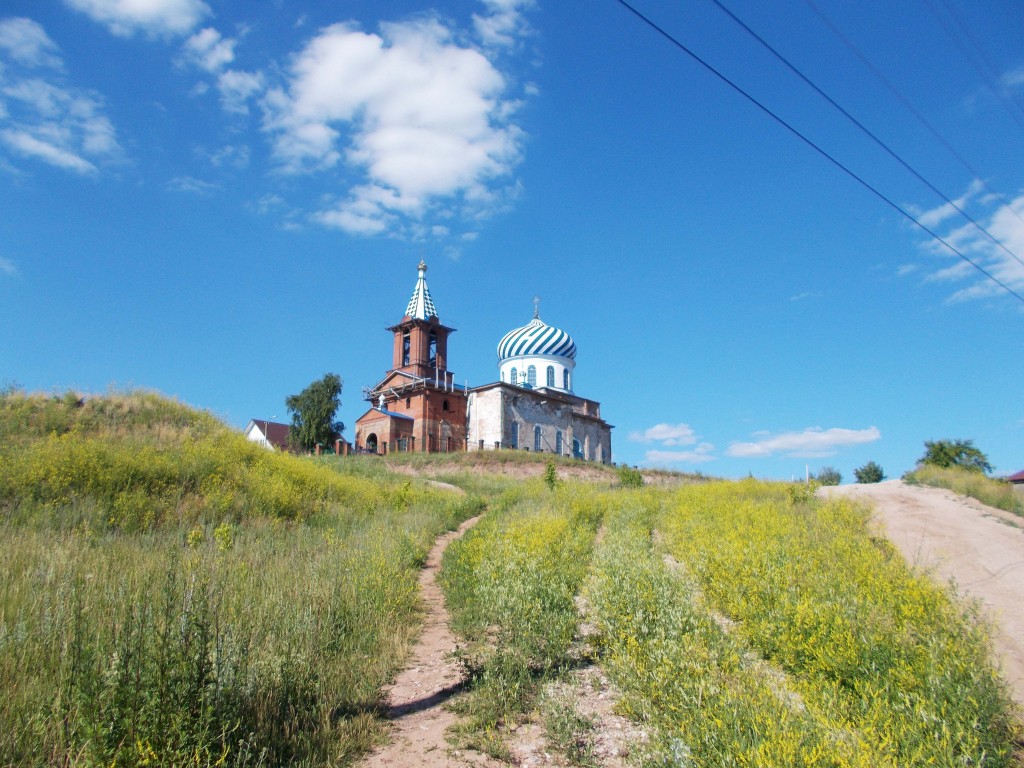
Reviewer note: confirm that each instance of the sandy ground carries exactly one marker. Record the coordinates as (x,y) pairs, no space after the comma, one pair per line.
(979,548)
(416,700)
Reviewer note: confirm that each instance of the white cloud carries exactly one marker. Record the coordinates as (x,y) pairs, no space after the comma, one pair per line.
(8,267)
(503,24)
(699,455)
(26,42)
(155,18)
(229,156)
(1004,220)
(193,186)
(667,434)
(41,116)
(806,295)
(418,120)
(28,145)
(1013,78)
(936,216)
(237,88)
(814,442)
(208,50)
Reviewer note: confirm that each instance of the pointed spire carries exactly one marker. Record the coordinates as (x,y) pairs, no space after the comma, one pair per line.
(421,306)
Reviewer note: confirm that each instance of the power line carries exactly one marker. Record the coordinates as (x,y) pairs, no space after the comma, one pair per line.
(895,206)
(867,131)
(991,78)
(982,56)
(880,76)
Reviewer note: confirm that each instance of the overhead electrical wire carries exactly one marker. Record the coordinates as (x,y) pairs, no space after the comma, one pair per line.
(938,136)
(991,77)
(867,131)
(821,151)
(982,56)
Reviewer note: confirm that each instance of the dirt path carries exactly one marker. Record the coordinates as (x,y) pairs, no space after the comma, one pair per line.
(416,699)
(979,548)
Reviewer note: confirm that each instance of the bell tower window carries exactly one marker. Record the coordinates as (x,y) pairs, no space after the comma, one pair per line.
(432,350)
(406,348)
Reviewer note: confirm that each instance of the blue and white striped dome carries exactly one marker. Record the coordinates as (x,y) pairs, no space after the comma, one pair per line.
(536,338)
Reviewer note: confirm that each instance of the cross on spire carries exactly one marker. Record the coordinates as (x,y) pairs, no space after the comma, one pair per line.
(536,307)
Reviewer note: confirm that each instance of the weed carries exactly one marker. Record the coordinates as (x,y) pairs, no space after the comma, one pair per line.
(995,493)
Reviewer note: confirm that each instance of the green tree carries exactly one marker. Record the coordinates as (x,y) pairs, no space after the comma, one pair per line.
(313,411)
(828,476)
(869,473)
(955,453)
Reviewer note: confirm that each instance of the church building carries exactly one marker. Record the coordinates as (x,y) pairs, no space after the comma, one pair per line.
(417,406)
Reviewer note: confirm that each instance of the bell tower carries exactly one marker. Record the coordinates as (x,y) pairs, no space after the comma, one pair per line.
(417,406)
(421,342)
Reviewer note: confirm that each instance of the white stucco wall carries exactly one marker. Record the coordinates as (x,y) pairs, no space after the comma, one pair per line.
(493,411)
(523,362)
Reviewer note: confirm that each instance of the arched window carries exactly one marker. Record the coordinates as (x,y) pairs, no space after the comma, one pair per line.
(577,449)
(515,376)
(514,442)
(444,406)
(551,376)
(565,378)
(531,376)
(558,442)
(432,350)
(536,437)
(406,347)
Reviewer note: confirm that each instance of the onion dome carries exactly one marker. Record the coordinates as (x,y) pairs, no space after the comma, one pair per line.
(536,338)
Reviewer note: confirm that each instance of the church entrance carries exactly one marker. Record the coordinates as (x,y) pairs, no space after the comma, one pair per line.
(577,449)
(371,443)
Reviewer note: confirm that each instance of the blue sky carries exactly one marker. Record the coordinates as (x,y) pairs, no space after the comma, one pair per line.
(222,201)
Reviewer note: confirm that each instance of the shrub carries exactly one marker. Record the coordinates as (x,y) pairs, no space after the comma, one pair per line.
(550,475)
(629,477)
(869,473)
(828,476)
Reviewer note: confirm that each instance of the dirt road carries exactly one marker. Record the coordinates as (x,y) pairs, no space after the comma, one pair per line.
(415,700)
(979,548)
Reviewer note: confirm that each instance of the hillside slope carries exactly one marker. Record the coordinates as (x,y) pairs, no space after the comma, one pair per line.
(960,540)
(173,594)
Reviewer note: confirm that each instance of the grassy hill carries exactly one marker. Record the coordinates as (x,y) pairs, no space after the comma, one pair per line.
(173,594)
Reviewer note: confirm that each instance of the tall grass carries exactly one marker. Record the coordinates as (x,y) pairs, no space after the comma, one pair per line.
(510,584)
(706,697)
(244,610)
(877,649)
(996,493)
